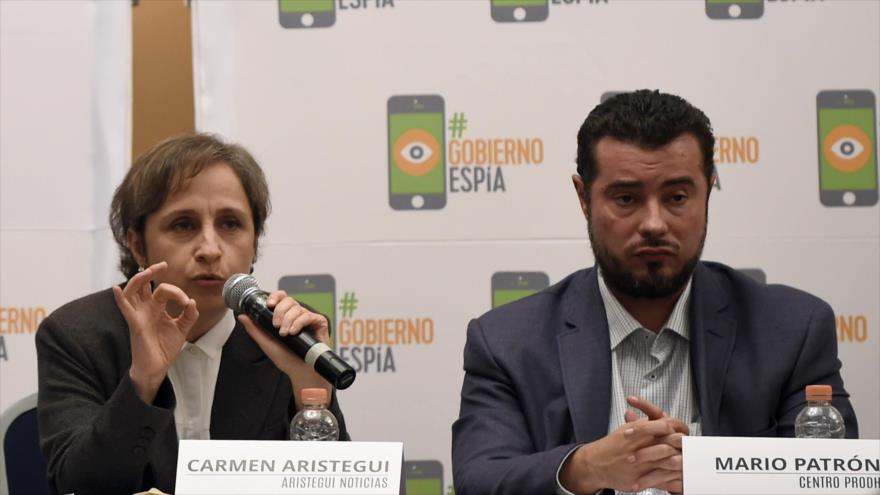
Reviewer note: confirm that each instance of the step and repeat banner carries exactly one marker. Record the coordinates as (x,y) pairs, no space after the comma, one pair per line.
(420,156)
(65,126)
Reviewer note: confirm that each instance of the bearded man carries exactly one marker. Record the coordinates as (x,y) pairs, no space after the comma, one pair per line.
(590,385)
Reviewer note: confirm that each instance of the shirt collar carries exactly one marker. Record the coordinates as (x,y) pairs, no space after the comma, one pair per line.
(213,341)
(621,324)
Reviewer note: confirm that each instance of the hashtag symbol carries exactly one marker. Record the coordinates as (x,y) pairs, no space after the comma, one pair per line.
(457,124)
(348,304)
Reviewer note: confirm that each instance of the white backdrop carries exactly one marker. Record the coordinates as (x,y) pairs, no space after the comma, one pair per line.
(311,103)
(65,126)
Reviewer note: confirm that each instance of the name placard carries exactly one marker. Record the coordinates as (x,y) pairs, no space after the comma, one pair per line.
(221,467)
(768,466)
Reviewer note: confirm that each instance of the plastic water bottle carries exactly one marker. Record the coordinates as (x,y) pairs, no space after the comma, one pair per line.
(819,419)
(314,421)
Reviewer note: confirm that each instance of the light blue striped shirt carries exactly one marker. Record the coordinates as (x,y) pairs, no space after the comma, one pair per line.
(654,367)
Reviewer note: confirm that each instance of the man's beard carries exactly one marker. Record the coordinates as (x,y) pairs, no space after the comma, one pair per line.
(655,285)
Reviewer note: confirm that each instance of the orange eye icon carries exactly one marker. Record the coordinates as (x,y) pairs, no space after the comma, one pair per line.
(416,152)
(847,148)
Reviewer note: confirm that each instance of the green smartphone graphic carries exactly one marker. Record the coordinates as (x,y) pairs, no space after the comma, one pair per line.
(416,152)
(317,291)
(511,286)
(423,477)
(519,10)
(306,13)
(734,9)
(847,128)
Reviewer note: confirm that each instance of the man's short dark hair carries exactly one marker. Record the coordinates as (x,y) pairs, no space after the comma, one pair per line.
(165,167)
(648,119)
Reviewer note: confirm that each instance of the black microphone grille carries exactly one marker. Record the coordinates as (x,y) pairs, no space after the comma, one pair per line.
(235,287)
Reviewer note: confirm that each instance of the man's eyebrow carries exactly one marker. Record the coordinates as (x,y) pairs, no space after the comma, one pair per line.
(680,181)
(623,183)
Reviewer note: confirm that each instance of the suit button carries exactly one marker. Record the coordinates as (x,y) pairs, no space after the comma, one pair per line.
(147,432)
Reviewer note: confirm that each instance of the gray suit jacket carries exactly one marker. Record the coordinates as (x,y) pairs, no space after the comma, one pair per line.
(99,437)
(538,373)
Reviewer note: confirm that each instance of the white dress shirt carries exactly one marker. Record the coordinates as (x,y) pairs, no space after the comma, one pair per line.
(193,377)
(655,367)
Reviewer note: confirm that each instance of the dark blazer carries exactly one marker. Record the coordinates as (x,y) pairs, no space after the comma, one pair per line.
(99,437)
(538,373)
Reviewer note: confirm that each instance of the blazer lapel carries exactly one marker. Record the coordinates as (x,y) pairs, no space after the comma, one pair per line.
(245,388)
(585,357)
(713,334)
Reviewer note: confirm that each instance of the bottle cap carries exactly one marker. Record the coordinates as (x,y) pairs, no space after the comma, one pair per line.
(313,396)
(818,392)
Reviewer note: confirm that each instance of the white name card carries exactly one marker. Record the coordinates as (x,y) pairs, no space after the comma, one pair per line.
(769,466)
(227,467)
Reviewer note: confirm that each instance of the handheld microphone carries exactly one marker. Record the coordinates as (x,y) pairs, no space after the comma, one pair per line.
(243,295)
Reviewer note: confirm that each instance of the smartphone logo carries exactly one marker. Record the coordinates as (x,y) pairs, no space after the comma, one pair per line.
(423,477)
(734,9)
(512,286)
(847,140)
(416,152)
(318,292)
(306,13)
(519,10)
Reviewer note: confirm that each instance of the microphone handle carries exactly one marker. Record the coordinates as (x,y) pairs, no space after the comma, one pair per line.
(330,366)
